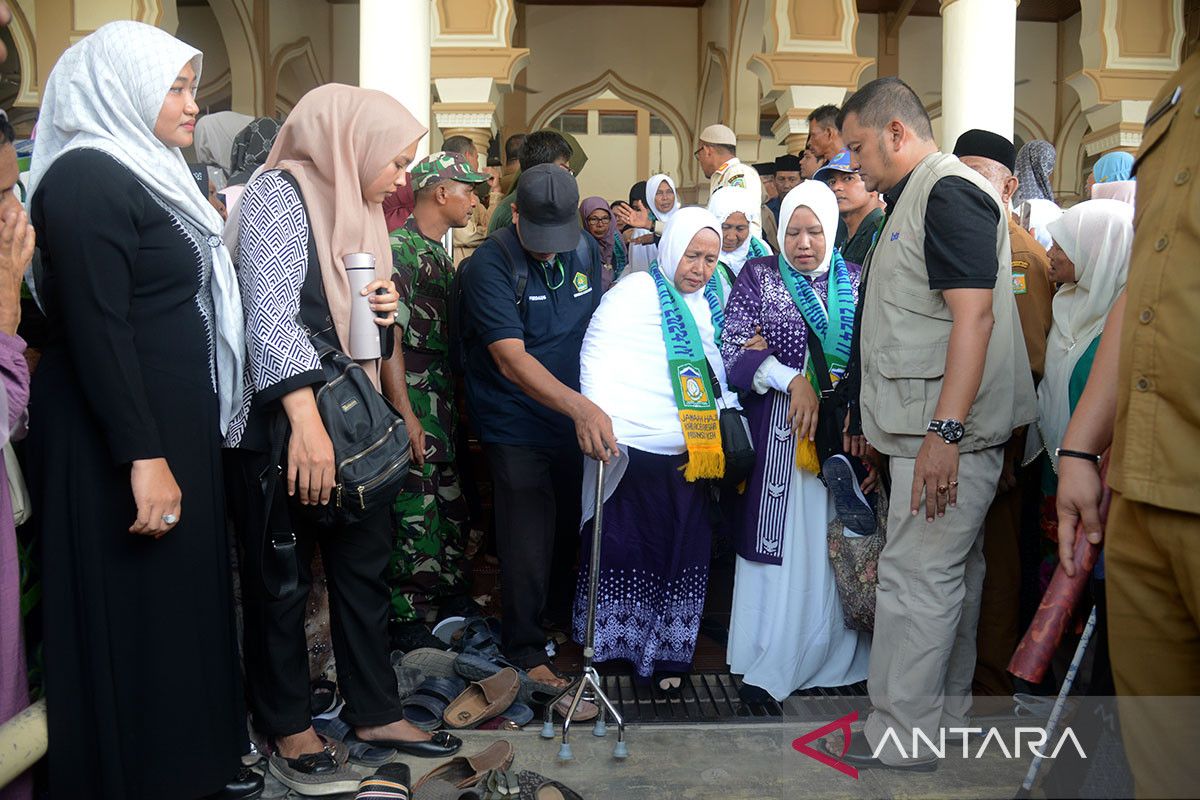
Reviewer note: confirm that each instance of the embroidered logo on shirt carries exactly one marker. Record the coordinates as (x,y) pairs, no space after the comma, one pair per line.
(1018,282)
(895,237)
(738,181)
(581,284)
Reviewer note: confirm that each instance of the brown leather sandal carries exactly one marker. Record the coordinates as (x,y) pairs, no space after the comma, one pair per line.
(466,771)
(483,700)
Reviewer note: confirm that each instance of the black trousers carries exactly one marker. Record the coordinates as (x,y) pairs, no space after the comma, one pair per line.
(537,501)
(355,558)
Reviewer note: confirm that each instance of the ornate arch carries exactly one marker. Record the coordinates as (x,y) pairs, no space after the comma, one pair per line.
(302,51)
(29,88)
(1068,170)
(714,77)
(628,92)
(749,39)
(236,21)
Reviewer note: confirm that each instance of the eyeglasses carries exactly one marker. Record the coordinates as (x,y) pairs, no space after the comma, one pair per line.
(598,220)
(696,155)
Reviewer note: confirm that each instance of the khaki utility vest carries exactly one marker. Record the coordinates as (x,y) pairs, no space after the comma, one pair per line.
(906,331)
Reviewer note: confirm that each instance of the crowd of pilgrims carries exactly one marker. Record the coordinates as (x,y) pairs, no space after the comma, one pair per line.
(175,307)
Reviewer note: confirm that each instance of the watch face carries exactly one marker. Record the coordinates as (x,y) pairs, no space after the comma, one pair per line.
(952,431)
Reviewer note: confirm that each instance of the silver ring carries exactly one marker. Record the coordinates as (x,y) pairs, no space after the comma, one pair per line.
(170,519)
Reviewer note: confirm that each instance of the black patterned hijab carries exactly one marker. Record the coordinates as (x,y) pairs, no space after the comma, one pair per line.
(250,149)
(1035,162)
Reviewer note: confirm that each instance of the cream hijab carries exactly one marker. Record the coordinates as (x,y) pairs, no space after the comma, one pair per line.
(105,94)
(623,364)
(334,143)
(1097,236)
(652,189)
(820,198)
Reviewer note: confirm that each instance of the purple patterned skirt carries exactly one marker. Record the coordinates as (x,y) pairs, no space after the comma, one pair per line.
(653,567)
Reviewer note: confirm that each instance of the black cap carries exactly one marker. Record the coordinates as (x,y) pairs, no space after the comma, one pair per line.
(787,163)
(548,209)
(985,144)
(765,168)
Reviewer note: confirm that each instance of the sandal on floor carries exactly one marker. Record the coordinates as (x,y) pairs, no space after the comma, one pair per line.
(498,784)
(478,634)
(466,771)
(388,783)
(483,700)
(476,667)
(360,752)
(539,787)
(424,707)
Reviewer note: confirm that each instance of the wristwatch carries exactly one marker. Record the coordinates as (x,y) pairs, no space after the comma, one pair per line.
(951,430)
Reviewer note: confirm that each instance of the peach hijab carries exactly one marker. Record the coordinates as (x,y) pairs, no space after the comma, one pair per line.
(336,141)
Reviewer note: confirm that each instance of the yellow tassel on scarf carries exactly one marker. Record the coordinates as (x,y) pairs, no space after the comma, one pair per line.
(806,456)
(702,435)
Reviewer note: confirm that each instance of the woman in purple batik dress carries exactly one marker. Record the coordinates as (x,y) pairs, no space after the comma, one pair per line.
(786,631)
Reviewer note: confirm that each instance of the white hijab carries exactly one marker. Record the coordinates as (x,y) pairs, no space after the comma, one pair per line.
(1097,236)
(214,142)
(623,365)
(820,198)
(652,189)
(1125,191)
(105,93)
(1041,214)
(730,200)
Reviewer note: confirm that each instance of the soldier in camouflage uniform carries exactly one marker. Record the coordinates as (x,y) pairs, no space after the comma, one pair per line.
(428,561)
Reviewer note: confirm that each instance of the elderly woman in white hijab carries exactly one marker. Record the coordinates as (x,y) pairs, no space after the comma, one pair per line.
(136,387)
(787,630)
(1090,258)
(661,197)
(739,211)
(651,361)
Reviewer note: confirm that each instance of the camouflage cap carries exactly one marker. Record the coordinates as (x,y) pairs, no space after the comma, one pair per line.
(442,166)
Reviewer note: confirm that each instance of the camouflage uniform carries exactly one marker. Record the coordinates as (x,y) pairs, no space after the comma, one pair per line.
(428,560)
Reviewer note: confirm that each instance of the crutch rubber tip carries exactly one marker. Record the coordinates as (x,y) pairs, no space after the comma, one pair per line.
(600,729)
(547,730)
(564,753)
(621,750)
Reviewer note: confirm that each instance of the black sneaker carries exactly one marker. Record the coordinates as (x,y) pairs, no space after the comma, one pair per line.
(852,506)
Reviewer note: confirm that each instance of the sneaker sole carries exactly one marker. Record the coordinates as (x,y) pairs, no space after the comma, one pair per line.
(851,504)
(342,786)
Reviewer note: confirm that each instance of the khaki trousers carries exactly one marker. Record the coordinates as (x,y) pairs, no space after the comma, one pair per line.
(1152,568)
(926,609)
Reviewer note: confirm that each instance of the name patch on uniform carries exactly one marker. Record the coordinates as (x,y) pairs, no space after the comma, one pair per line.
(1018,282)
(533,297)
(582,285)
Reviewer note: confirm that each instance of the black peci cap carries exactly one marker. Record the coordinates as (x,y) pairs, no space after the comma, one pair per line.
(985,144)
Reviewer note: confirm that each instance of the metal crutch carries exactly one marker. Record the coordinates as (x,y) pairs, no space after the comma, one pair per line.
(589,678)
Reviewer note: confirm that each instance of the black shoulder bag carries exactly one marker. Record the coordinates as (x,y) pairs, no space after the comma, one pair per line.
(370,443)
(831,412)
(736,441)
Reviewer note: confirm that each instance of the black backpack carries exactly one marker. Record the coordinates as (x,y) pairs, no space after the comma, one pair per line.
(586,251)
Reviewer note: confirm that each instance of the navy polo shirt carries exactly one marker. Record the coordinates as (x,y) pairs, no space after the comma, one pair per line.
(551,321)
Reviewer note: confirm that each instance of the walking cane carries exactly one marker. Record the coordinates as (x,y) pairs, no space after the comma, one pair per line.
(1059,704)
(589,678)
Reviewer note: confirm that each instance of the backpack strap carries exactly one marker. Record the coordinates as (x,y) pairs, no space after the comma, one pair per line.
(514,254)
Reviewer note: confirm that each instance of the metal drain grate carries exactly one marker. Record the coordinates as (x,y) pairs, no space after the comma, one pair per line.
(714,697)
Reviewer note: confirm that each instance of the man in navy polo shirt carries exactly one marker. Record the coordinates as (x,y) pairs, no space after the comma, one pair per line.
(522,365)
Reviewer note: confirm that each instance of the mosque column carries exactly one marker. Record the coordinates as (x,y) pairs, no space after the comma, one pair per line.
(795,103)
(399,67)
(467,107)
(1129,48)
(979,61)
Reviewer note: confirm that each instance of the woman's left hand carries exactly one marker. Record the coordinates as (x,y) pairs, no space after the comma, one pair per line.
(385,303)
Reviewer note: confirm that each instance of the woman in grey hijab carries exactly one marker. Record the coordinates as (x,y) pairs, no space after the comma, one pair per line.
(1035,162)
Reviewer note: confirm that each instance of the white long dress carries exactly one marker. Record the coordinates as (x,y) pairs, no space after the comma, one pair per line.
(787,631)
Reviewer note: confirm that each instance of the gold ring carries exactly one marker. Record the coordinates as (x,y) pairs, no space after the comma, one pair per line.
(943,489)
(954,483)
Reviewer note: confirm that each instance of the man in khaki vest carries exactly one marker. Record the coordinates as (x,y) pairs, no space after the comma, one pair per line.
(1152,543)
(995,157)
(944,381)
